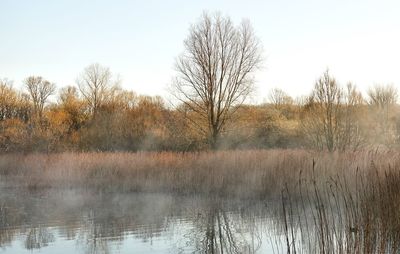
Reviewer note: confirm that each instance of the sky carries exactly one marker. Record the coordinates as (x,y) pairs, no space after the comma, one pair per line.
(358,40)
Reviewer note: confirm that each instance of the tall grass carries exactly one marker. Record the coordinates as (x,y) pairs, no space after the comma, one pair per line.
(355,212)
(252,173)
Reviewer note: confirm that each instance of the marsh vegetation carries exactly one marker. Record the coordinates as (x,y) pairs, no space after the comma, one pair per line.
(311,202)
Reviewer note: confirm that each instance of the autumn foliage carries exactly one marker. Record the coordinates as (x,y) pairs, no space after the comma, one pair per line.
(40,118)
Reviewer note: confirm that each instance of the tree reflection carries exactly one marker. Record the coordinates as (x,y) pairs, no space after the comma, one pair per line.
(8,218)
(38,237)
(98,224)
(224,232)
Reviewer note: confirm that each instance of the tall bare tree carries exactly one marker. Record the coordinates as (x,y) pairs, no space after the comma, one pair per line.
(39,91)
(95,83)
(215,72)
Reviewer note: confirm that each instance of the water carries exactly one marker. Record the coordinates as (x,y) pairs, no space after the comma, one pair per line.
(72,221)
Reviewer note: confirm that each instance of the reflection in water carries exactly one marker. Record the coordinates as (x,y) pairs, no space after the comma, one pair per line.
(223,233)
(218,233)
(82,222)
(37,238)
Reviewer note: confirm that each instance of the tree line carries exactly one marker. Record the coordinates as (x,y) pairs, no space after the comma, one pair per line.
(98,114)
(214,77)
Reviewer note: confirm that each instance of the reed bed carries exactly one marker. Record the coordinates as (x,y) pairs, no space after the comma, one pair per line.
(250,173)
(357,212)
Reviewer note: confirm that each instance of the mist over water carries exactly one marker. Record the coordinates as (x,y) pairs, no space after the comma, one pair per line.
(79,221)
(224,202)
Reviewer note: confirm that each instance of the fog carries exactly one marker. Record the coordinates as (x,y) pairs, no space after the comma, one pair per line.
(66,221)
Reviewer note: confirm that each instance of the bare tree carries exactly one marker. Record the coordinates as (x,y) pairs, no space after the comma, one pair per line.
(278,98)
(39,90)
(215,72)
(351,134)
(382,96)
(382,99)
(334,116)
(323,125)
(95,83)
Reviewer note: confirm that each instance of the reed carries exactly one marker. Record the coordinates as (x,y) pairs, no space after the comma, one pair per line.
(353,212)
(250,173)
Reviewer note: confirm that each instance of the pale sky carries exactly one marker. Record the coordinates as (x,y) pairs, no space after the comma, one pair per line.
(359,40)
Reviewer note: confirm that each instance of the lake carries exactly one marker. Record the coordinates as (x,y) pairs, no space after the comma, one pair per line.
(84,221)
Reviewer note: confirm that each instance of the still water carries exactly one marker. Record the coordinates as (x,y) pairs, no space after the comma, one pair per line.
(72,221)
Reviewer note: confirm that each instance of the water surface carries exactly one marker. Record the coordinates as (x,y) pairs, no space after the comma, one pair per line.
(72,221)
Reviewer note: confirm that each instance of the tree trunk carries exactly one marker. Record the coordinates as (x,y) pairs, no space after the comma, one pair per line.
(214,139)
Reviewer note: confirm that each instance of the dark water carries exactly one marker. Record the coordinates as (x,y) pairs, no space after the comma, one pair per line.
(71,221)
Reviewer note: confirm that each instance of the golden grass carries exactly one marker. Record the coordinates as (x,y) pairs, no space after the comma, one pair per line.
(250,173)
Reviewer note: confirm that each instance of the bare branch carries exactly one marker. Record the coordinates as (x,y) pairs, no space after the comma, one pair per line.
(215,70)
